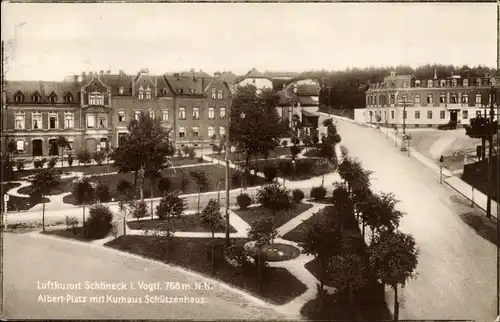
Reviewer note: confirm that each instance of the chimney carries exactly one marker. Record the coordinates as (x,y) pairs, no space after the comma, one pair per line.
(121,73)
(75,78)
(101,72)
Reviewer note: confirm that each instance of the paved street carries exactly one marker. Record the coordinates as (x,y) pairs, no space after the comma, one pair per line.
(457,268)
(30,259)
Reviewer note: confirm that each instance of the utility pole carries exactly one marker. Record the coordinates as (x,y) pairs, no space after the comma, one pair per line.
(490,134)
(228,148)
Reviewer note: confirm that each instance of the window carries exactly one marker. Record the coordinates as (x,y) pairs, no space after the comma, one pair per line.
(448,83)
(478,98)
(196,132)
(417,99)
(442,115)
(442,83)
(53,98)
(392,114)
(68,98)
(151,114)
(465,115)
(429,115)
(19,98)
(103,121)
(429,83)
(137,115)
(36,98)
(417,83)
(164,115)
(417,115)
(211,113)
(442,98)
(222,112)
(219,95)
(90,121)
(465,98)
(165,91)
(393,99)
(121,90)
(405,84)
(429,99)
(53,121)
(454,83)
(148,95)
(222,130)
(214,93)
(121,116)
(68,120)
(478,82)
(489,98)
(20,146)
(196,113)
(405,114)
(182,132)
(96,99)
(141,95)
(211,132)
(36,118)
(465,82)
(453,98)
(182,113)
(20,121)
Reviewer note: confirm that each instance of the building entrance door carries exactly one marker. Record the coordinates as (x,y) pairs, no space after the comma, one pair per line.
(53,148)
(453,116)
(37,148)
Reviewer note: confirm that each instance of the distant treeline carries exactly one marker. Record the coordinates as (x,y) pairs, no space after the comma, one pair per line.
(348,86)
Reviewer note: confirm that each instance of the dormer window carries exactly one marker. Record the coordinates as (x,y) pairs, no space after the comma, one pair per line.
(466,82)
(36,98)
(191,90)
(19,97)
(443,83)
(219,95)
(417,83)
(454,83)
(96,99)
(214,93)
(148,93)
(121,90)
(141,95)
(430,83)
(165,91)
(68,98)
(478,82)
(52,98)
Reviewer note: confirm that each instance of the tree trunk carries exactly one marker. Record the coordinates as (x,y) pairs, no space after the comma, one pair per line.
(489,190)
(396,304)
(43,213)
(83,222)
(247,159)
(483,148)
(142,189)
(124,224)
(62,158)
(135,180)
(364,229)
(199,192)
(213,255)
(322,180)
(259,273)
(151,198)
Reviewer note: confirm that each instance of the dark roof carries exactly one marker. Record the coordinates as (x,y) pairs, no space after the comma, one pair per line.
(254,73)
(229,77)
(114,82)
(307,101)
(187,85)
(28,88)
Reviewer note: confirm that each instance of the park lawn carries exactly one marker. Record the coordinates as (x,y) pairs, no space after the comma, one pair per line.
(64,186)
(279,286)
(214,173)
(301,172)
(273,154)
(68,233)
(281,217)
(184,223)
(16,203)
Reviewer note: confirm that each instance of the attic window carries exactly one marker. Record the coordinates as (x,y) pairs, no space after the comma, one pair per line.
(53,98)
(180,90)
(121,90)
(165,91)
(36,98)
(19,98)
(68,98)
(191,90)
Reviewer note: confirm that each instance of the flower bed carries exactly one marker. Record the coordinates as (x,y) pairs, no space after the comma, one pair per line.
(185,223)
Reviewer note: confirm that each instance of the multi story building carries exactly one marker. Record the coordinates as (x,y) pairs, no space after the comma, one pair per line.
(427,102)
(93,110)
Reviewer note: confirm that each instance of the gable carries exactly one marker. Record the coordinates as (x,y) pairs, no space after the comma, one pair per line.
(95,85)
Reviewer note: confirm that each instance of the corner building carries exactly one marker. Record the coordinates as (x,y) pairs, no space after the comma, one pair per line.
(93,110)
(429,102)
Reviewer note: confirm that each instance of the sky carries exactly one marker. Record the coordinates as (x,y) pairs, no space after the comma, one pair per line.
(51,41)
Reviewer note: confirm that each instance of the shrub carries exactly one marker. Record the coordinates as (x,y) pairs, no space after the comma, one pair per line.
(123,186)
(102,193)
(270,172)
(318,193)
(244,201)
(184,183)
(52,162)
(297,195)
(284,143)
(20,164)
(200,160)
(235,255)
(99,157)
(139,209)
(171,205)
(44,161)
(285,168)
(236,179)
(274,197)
(296,141)
(71,223)
(164,185)
(295,150)
(192,153)
(185,150)
(84,157)
(179,153)
(38,164)
(98,225)
(304,166)
(70,160)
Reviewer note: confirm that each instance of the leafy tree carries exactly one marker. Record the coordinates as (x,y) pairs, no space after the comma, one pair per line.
(322,240)
(270,172)
(297,195)
(285,169)
(99,157)
(146,146)
(394,258)
(322,167)
(62,142)
(353,174)
(139,209)
(318,193)
(164,185)
(274,198)
(202,183)
(42,184)
(102,193)
(7,167)
(348,272)
(343,203)
(263,232)
(294,150)
(171,206)
(261,127)
(99,223)
(84,157)
(211,216)
(20,164)
(379,213)
(243,201)
(84,193)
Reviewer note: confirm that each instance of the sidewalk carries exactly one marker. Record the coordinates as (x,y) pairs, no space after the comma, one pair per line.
(478,198)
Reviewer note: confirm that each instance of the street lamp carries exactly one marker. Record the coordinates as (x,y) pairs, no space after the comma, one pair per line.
(141,176)
(441,160)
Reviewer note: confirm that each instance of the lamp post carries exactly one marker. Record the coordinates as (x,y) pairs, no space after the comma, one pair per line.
(141,176)
(441,160)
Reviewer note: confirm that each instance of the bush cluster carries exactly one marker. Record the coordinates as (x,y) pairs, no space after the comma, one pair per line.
(297,195)
(98,225)
(318,193)
(270,172)
(244,201)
